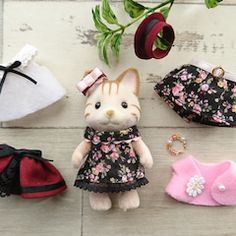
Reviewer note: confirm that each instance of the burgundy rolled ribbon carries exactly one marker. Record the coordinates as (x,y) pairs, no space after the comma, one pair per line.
(146,35)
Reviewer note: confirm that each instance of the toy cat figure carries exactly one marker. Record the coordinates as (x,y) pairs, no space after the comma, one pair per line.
(112,157)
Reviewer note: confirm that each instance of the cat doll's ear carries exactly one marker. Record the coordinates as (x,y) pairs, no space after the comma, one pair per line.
(87,72)
(130,79)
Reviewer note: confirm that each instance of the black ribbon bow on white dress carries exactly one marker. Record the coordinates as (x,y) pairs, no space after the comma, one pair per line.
(11,69)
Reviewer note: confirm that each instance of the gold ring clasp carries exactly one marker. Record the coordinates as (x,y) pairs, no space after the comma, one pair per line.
(218,72)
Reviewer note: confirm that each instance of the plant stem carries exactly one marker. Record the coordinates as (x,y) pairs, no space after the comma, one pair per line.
(123,27)
(171,5)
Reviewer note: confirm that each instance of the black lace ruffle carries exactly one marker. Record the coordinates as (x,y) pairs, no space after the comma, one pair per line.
(110,187)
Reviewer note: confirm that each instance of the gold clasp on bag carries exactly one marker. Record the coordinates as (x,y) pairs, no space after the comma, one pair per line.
(218,72)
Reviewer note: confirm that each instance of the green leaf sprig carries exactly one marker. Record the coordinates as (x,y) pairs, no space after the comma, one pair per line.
(212,3)
(110,31)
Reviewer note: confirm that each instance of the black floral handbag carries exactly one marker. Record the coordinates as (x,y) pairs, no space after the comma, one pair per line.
(202,93)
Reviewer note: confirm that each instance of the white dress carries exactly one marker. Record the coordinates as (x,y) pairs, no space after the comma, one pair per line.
(19,96)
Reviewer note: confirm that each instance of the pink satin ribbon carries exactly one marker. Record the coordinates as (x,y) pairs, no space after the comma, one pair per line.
(91,80)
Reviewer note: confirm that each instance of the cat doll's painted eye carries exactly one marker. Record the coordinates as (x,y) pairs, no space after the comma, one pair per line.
(124,105)
(97,105)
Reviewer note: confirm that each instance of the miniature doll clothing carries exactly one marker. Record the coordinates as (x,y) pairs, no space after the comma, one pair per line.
(26,87)
(26,173)
(196,94)
(207,184)
(111,165)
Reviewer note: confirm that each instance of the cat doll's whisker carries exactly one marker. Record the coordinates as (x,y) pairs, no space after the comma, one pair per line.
(135,115)
(88,104)
(136,107)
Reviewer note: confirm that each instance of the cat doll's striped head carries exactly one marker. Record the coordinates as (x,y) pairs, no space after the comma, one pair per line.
(114,104)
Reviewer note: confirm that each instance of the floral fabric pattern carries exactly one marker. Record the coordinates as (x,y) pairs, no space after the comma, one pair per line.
(196,95)
(111,165)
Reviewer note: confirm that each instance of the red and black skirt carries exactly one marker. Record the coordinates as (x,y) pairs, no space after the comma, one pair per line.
(26,173)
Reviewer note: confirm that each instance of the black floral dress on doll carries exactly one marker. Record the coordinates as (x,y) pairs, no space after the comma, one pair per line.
(111,165)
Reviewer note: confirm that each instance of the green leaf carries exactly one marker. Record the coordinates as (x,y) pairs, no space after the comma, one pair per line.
(97,20)
(162,43)
(107,13)
(212,3)
(115,43)
(133,8)
(165,11)
(104,48)
(100,39)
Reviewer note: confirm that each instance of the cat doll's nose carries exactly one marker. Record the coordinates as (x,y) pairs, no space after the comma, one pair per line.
(109,113)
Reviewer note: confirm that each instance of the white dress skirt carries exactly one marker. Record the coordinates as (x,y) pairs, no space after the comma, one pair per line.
(19,96)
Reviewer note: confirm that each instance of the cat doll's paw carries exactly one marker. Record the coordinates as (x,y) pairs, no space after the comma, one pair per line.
(100,201)
(129,200)
(147,161)
(76,160)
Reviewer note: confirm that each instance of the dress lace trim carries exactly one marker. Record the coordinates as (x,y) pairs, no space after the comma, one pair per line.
(25,56)
(111,187)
